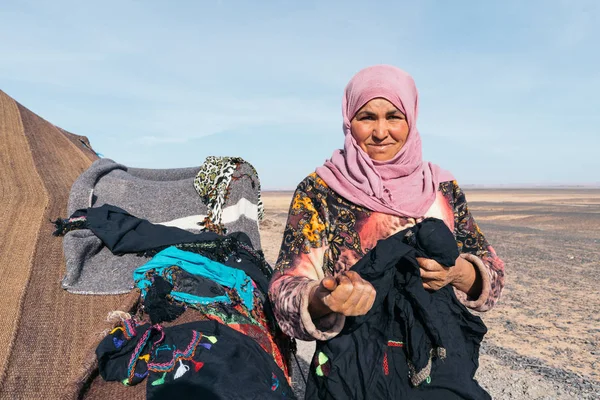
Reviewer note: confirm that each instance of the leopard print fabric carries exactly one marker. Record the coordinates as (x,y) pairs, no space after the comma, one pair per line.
(212,184)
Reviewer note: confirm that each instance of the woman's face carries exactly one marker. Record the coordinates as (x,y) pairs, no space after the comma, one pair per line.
(380,129)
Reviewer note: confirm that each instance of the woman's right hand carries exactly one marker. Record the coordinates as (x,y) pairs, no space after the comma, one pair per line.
(347,294)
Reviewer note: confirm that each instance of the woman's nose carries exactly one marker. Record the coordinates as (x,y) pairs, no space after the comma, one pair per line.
(380,130)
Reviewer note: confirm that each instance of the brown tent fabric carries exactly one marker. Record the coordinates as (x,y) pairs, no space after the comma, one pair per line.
(45,332)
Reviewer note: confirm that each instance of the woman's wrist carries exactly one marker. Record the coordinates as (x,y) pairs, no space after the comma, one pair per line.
(467,278)
(316,306)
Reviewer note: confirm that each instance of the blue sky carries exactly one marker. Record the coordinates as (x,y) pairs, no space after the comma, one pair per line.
(509,90)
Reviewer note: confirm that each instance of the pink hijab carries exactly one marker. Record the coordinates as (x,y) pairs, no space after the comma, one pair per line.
(405,185)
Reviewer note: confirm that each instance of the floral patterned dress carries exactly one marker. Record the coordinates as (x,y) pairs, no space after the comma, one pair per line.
(326,234)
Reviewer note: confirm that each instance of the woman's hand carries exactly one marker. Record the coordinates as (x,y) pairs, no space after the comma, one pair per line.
(347,294)
(462,276)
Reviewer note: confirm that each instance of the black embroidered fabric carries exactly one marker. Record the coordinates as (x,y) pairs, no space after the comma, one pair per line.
(412,344)
(202,359)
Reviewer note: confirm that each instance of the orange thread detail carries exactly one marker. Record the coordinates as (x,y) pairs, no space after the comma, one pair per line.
(386,369)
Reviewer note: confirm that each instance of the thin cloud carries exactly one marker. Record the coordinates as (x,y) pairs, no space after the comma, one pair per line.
(493,78)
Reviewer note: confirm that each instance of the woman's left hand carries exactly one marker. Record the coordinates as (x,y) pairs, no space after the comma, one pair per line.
(435,276)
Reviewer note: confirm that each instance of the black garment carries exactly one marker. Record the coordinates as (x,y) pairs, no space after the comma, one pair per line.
(194,284)
(201,359)
(123,233)
(432,239)
(412,344)
(158,303)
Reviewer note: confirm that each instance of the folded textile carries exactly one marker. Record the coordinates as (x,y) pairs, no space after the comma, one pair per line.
(161,196)
(412,344)
(123,234)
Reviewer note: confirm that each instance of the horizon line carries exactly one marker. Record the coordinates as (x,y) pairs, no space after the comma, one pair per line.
(500,186)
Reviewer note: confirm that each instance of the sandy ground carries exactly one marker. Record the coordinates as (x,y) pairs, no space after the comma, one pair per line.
(544,335)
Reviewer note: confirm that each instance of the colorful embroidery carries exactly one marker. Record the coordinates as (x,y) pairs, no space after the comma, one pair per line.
(274,383)
(164,347)
(162,334)
(118,328)
(136,353)
(129,325)
(212,339)
(160,380)
(386,369)
(118,342)
(197,364)
(181,370)
(322,368)
(178,355)
(391,343)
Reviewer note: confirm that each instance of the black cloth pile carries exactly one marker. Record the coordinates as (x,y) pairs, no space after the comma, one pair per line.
(196,360)
(123,233)
(243,362)
(412,344)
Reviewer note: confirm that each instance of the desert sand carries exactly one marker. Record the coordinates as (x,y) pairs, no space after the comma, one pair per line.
(544,335)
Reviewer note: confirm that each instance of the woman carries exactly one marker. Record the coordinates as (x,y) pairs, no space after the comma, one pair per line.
(376,186)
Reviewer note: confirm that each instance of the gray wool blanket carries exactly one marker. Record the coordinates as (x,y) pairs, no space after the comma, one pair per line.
(162,196)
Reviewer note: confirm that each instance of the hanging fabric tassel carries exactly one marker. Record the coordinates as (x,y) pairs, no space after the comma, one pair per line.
(118,328)
(116,316)
(159,381)
(206,345)
(181,370)
(141,376)
(66,225)
(212,339)
(197,365)
(118,342)
(158,303)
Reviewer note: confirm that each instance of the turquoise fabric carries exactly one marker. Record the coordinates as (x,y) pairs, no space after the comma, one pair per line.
(198,265)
